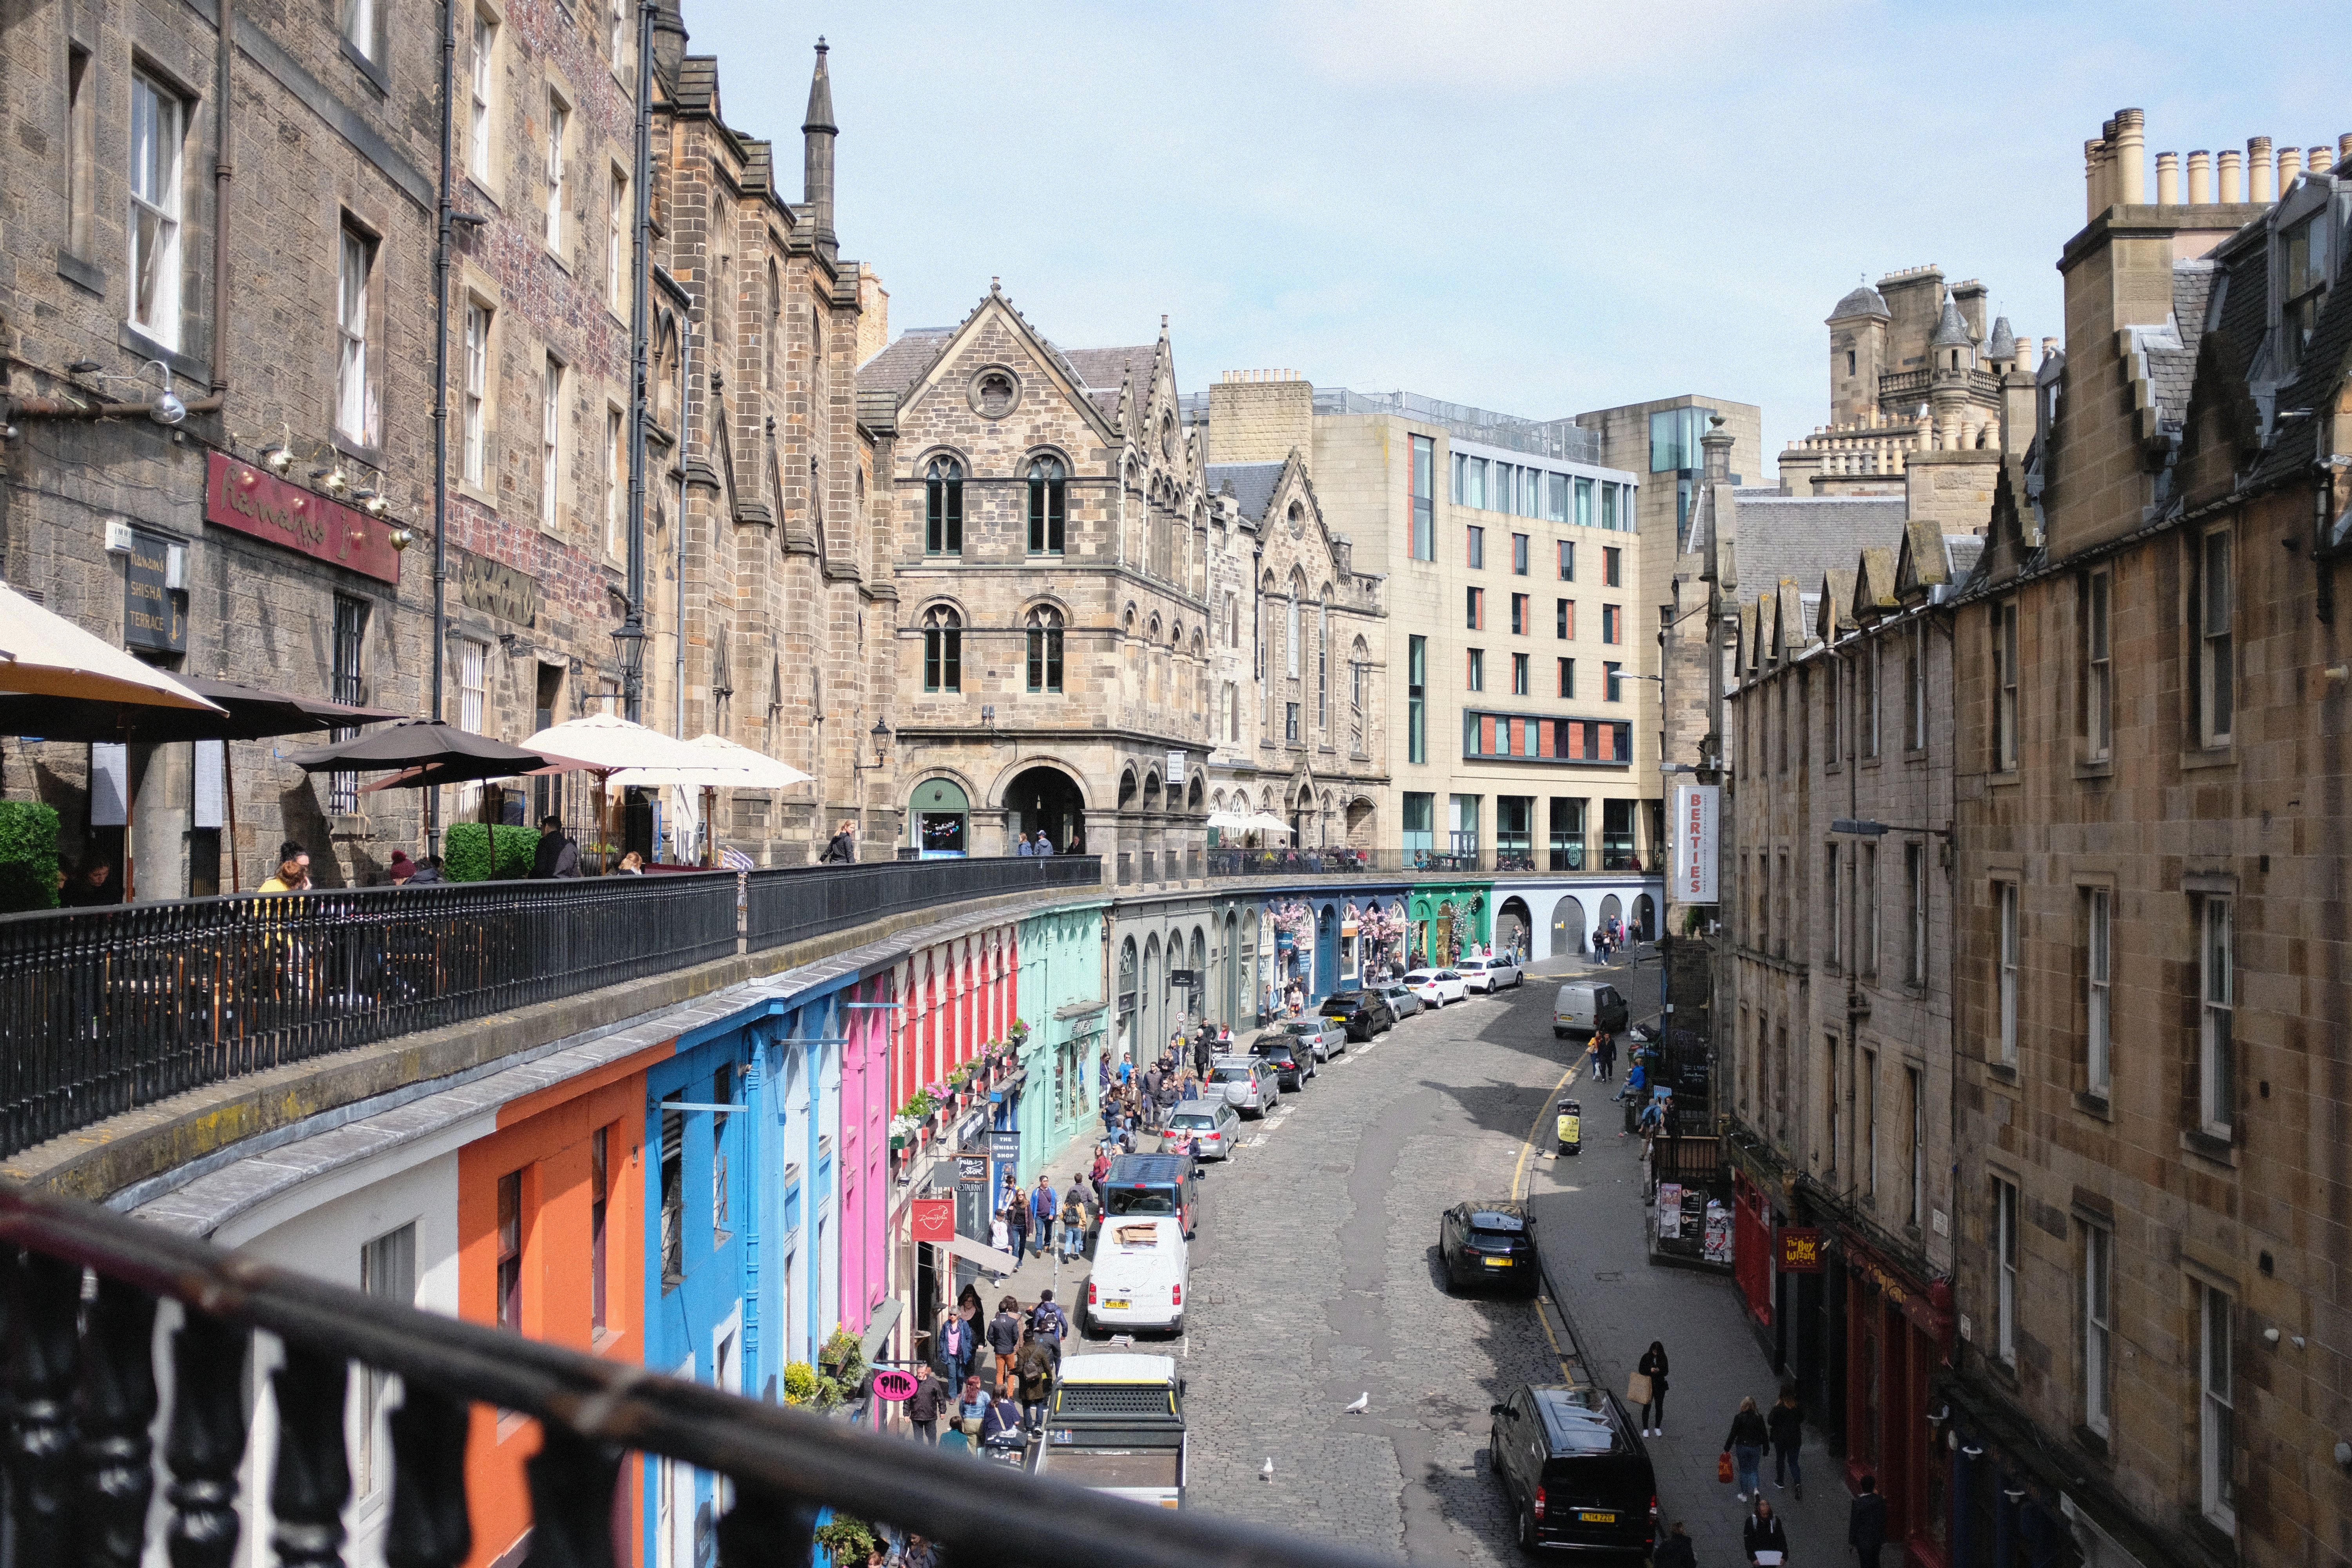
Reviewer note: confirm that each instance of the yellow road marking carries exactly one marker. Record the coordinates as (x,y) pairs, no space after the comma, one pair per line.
(1520,1171)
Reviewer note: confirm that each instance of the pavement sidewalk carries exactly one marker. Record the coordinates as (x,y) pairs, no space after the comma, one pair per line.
(1590,1228)
(1039,1274)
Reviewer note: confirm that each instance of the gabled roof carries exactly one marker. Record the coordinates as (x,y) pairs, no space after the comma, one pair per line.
(1803,536)
(698,84)
(1791,637)
(1833,606)
(924,377)
(1923,564)
(895,368)
(1874,585)
(1252,485)
(2326,360)
(1107,369)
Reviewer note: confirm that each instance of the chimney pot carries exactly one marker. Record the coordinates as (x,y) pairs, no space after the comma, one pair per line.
(2094,178)
(2319,159)
(2233,189)
(2201,178)
(2167,179)
(2259,188)
(2343,148)
(2290,166)
(2130,143)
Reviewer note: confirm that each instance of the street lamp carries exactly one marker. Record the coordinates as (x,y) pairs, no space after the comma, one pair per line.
(629,645)
(881,733)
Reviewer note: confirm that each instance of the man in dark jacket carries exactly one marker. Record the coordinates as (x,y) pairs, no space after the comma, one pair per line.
(1865,1524)
(924,1405)
(1676,1550)
(556,855)
(1004,1341)
(1762,1532)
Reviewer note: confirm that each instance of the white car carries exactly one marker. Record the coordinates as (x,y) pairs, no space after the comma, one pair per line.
(1490,974)
(1436,987)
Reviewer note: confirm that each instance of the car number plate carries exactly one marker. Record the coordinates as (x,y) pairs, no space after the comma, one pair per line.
(1590,1517)
(1499,1263)
(1117,1302)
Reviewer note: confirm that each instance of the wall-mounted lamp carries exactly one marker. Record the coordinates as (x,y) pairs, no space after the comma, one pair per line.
(881,735)
(168,409)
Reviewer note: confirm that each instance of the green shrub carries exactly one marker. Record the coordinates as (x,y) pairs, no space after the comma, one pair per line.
(465,852)
(846,1539)
(513,846)
(29,855)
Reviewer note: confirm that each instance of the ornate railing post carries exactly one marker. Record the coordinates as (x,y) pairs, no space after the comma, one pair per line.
(571,1480)
(313,1476)
(762,1530)
(206,1441)
(114,1411)
(430,1527)
(44,1299)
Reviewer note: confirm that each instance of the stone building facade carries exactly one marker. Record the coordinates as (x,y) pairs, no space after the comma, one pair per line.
(2150,981)
(1045,521)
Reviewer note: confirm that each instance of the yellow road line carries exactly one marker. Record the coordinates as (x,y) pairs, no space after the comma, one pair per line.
(1520,1171)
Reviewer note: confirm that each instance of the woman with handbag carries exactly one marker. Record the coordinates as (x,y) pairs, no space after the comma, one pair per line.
(1653,1369)
(1744,1445)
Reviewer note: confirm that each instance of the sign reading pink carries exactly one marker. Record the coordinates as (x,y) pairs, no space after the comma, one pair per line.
(253,500)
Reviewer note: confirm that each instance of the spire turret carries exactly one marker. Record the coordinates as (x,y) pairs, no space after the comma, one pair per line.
(817,133)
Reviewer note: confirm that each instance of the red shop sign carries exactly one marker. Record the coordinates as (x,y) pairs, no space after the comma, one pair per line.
(1801,1249)
(250,500)
(933,1219)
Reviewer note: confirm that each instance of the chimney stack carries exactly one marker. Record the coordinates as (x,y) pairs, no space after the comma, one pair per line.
(2094,195)
(2201,178)
(2130,151)
(2320,159)
(2233,189)
(2290,166)
(2167,179)
(2259,188)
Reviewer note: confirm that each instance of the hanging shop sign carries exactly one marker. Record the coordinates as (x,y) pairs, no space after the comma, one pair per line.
(154,613)
(893,1385)
(1801,1249)
(250,500)
(933,1219)
(1697,816)
(495,588)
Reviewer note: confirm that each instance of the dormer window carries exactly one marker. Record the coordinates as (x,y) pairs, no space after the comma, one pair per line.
(2305,243)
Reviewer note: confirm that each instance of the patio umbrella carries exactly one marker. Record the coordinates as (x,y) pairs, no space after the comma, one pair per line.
(455,755)
(1266,822)
(725,765)
(1228,822)
(45,653)
(605,743)
(232,712)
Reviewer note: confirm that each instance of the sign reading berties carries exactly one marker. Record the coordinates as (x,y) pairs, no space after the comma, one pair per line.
(250,500)
(1697,815)
(1801,1249)
(154,616)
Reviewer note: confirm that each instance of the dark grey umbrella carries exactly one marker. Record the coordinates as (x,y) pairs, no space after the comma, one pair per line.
(248,713)
(453,756)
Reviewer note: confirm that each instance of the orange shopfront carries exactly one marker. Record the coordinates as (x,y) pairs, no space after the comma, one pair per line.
(1898,1335)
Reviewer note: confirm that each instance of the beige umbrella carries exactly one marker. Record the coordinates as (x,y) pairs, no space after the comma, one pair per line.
(729,766)
(48,655)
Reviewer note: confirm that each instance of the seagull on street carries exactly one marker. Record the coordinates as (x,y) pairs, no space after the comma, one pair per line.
(1363,1403)
(1265,1471)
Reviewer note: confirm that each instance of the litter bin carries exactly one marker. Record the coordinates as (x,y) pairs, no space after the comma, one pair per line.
(1571,1127)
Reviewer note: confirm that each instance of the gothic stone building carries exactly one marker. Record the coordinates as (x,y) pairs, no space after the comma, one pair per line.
(1047,523)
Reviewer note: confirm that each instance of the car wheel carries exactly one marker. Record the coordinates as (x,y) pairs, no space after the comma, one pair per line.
(1527,1530)
(1560,1034)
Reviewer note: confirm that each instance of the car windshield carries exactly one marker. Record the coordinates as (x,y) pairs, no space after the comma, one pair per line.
(1302,1026)
(1343,1000)
(1150,1200)
(1231,1075)
(1193,1122)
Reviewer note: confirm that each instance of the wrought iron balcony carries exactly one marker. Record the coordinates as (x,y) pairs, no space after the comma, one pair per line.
(83,1396)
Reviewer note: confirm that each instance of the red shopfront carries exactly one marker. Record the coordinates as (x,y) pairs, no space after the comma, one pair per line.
(1751,1247)
(1898,1332)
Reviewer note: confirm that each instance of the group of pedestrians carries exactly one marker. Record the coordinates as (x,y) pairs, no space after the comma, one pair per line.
(990,1380)
(1025,1224)
(1779,1431)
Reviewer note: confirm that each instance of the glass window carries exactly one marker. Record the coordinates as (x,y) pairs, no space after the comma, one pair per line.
(1474,608)
(1567,834)
(2215,687)
(2098,684)
(1044,639)
(1568,560)
(1612,623)
(473,658)
(2098,917)
(1613,688)
(1584,503)
(2005,897)
(2004,1220)
(1675,438)
(559,120)
(2099,1284)
(1518,675)
(355,404)
(944,507)
(1473,547)
(155,116)
(2217,1413)
(2004,686)
(1568,678)
(1609,505)
(616,242)
(1556,501)
(943,649)
(477,111)
(388,1272)
(1474,482)
(473,432)
(1462,823)
(1612,567)
(1515,818)
(1477,679)
(1048,506)
(1424,497)
(1563,618)
(1522,615)
(1520,554)
(2217,990)
(1419,811)
(1416,700)
(2307,287)
(616,486)
(551,438)
(1915,877)
(510,1254)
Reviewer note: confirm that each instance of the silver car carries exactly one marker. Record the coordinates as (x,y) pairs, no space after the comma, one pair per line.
(1210,1127)
(1248,1081)
(1328,1039)
(1402,1002)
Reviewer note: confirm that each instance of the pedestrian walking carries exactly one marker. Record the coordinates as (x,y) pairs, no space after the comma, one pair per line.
(923,1406)
(1786,1422)
(1604,1056)
(1034,1367)
(1016,1226)
(1048,1321)
(970,1406)
(1865,1524)
(1675,1550)
(1044,845)
(1745,1444)
(1653,1367)
(842,850)
(1151,1087)
(1043,1207)
(954,1346)
(1004,1341)
(1762,1533)
(1073,1218)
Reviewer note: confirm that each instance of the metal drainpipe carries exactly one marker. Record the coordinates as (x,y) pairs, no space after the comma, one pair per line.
(223,170)
(633,624)
(677,540)
(442,212)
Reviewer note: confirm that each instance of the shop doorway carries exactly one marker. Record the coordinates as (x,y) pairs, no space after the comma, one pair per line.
(1046,799)
(1512,924)
(942,814)
(1645,919)
(1568,932)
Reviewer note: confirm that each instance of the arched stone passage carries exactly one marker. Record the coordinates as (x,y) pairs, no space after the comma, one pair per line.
(1046,799)
(1514,927)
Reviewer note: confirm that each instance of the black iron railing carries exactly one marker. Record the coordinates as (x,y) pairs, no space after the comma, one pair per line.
(792,903)
(82,1395)
(105,1010)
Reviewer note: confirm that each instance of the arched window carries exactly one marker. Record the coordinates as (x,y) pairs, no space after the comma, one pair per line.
(944,507)
(943,649)
(1048,506)
(1291,633)
(1044,648)
(1323,667)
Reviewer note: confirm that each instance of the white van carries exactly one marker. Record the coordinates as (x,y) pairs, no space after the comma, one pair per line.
(1584,1005)
(1141,1267)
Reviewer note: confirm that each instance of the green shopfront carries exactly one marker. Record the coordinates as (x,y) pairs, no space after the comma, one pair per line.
(1442,919)
(1062,1005)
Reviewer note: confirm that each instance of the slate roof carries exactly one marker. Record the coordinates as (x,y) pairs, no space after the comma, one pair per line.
(901,364)
(2004,339)
(1252,485)
(698,81)
(1963,551)
(2323,369)
(2171,351)
(1951,328)
(1804,538)
(1864,302)
(1108,368)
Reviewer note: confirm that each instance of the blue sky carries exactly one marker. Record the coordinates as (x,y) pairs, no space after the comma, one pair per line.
(1538,209)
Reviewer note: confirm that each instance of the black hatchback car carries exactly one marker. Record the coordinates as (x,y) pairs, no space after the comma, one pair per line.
(1362,1014)
(1575,1472)
(1488,1244)
(1291,1059)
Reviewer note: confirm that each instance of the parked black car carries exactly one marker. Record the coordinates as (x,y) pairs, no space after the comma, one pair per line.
(1575,1472)
(1151,1184)
(1292,1059)
(1489,1243)
(1362,1014)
